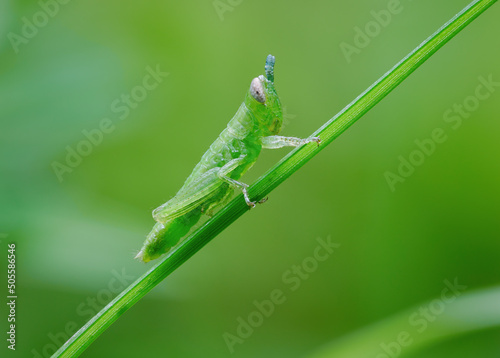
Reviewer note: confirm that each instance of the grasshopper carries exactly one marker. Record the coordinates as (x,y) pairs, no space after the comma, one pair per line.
(212,182)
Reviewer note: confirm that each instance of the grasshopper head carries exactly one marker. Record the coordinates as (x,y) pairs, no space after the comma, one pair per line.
(264,102)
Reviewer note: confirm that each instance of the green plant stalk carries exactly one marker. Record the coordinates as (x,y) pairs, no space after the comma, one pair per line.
(270,180)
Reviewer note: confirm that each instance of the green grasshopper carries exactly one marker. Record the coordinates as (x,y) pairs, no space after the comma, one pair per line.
(212,182)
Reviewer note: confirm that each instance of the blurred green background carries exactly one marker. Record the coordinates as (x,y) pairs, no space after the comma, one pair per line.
(78,228)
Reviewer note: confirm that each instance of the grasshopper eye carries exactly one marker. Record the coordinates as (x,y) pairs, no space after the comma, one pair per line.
(257,90)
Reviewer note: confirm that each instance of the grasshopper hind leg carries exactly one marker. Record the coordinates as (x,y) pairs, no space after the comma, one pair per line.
(210,209)
(165,235)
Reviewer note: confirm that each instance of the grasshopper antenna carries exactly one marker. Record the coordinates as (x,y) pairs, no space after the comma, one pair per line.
(270,67)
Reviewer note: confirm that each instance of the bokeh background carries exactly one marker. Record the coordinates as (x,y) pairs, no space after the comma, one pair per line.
(78,231)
